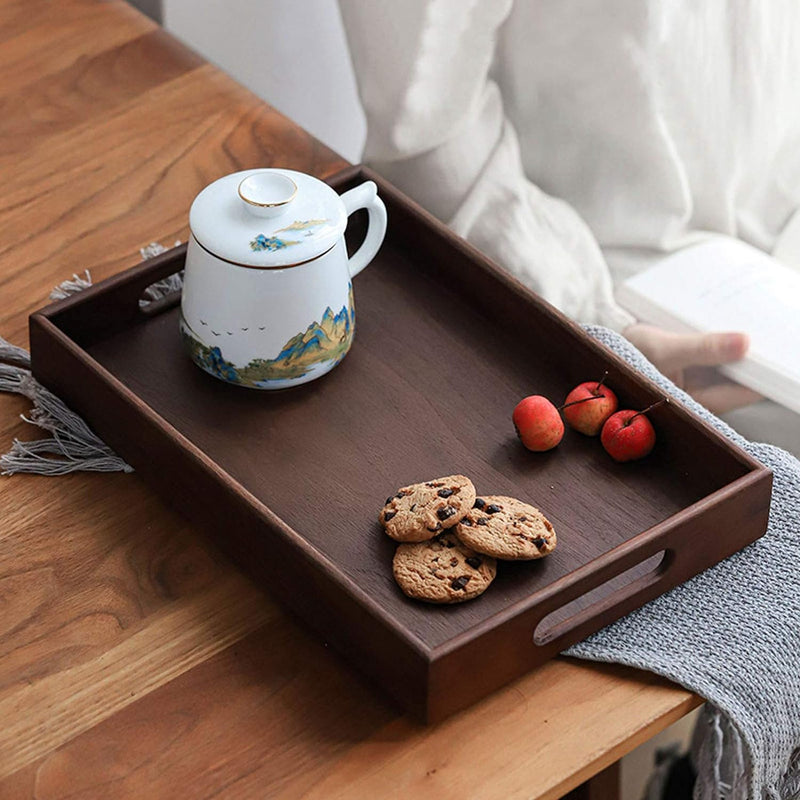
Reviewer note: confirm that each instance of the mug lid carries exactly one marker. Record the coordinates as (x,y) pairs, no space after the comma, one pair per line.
(267,218)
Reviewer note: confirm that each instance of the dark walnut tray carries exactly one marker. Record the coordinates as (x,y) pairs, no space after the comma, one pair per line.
(290,483)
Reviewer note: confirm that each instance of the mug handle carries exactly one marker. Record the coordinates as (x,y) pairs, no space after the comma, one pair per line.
(366,196)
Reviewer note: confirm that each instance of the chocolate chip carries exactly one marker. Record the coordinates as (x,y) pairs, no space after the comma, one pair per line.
(453,562)
(445,513)
(388,515)
(522,518)
(539,542)
(413,506)
(482,521)
(479,502)
(460,582)
(388,500)
(466,521)
(401,494)
(493,509)
(474,562)
(437,527)
(444,492)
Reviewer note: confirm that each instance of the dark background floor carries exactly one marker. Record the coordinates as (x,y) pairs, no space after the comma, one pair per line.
(150,7)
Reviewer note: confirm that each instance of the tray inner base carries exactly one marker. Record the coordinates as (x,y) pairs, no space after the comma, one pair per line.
(427,390)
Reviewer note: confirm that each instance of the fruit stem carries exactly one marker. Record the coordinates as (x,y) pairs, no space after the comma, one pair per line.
(601,382)
(582,400)
(649,408)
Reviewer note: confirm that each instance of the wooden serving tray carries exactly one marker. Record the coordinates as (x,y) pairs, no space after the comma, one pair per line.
(290,483)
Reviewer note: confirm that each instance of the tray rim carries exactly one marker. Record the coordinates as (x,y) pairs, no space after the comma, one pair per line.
(47,318)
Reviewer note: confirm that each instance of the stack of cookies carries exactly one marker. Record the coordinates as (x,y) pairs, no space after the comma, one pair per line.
(451,538)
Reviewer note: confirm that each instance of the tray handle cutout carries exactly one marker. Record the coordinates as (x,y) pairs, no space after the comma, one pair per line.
(112,305)
(162,293)
(562,621)
(147,289)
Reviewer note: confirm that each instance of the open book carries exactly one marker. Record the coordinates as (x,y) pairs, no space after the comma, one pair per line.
(726,285)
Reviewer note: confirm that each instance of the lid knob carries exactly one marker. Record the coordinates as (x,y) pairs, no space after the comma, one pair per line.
(267,194)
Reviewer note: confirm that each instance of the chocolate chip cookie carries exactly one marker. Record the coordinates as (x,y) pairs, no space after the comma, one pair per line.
(420,511)
(442,570)
(503,527)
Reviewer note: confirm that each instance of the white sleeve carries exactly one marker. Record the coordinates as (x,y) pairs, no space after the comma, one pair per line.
(436,129)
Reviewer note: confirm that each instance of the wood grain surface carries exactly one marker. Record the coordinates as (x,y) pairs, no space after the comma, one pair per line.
(133,658)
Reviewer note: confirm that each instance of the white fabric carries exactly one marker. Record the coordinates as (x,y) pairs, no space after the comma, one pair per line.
(654,124)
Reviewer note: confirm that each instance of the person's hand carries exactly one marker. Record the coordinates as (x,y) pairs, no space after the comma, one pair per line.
(689,360)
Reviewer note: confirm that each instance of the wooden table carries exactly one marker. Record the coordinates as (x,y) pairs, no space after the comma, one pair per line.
(134,661)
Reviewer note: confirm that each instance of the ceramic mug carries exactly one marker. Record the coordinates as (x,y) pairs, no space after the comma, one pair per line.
(268,295)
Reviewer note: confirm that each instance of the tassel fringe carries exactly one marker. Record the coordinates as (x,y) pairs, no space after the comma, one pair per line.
(11,354)
(162,288)
(73,286)
(719,758)
(73,446)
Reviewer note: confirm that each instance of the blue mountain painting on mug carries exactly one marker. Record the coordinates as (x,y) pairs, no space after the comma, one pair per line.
(321,342)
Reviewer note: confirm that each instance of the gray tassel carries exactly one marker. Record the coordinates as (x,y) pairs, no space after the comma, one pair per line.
(719,758)
(73,446)
(11,354)
(790,785)
(73,286)
(164,287)
(12,377)
(26,457)
(155,249)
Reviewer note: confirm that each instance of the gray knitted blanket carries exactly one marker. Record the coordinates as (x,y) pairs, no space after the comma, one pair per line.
(731,634)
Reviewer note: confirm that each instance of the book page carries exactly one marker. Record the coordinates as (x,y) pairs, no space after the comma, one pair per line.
(726,285)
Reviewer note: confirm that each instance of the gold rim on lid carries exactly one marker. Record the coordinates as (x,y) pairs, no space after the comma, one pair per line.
(273,176)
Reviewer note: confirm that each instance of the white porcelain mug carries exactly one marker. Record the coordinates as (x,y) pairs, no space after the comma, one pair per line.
(268,298)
